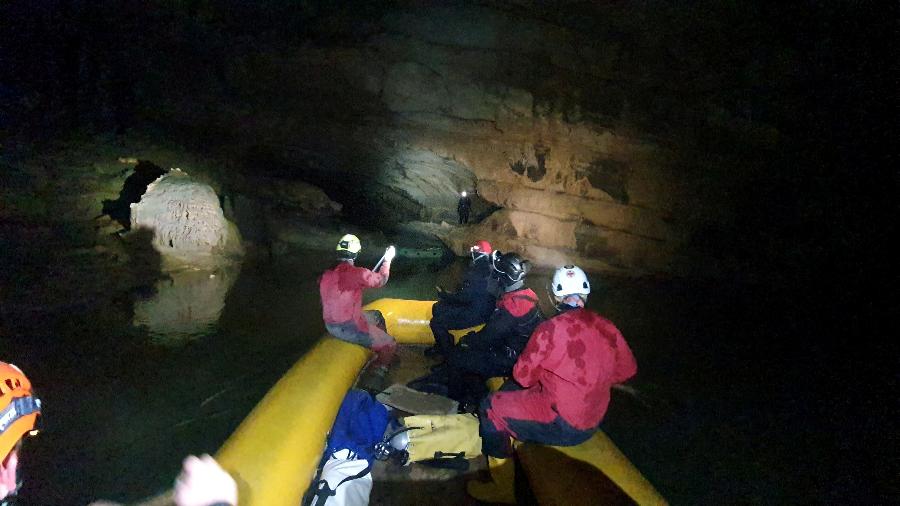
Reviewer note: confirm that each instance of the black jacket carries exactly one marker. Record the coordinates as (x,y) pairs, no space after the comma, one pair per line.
(510,326)
(473,291)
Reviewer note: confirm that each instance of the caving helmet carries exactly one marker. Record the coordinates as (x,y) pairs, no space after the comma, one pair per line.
(570,280)
(510,270)
(481,249)
(348,247)
(19,408)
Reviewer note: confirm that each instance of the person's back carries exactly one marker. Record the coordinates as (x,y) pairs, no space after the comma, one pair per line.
(562,378)
(341,288)
(575,358)
(341,291)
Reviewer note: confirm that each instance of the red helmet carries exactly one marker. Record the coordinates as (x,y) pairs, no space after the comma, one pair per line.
(19,409)
(481,248)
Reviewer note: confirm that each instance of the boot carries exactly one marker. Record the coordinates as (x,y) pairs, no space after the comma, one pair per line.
(501,488)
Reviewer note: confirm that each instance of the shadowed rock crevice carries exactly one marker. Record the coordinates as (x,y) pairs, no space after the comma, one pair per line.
(610,176)
(135,185)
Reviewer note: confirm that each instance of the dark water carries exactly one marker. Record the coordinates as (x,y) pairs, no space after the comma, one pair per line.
(718,417)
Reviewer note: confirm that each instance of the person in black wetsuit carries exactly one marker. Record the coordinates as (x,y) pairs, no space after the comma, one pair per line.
(463,208)
(471,305)
(493,350)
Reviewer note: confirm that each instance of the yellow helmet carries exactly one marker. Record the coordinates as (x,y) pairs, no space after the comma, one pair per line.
(348,246)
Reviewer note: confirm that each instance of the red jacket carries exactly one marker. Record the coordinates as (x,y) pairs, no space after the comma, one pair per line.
(575,358)
(341,291)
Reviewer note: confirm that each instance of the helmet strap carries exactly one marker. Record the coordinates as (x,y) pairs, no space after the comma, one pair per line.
(18,408)
(567,302)
(514,286)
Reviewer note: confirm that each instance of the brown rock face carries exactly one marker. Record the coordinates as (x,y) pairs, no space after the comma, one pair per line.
(441,100)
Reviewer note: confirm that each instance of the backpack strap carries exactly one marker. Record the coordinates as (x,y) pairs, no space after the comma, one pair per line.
(323,491)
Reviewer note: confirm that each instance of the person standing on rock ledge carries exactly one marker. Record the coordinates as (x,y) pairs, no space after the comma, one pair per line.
(341,290)
(463,208)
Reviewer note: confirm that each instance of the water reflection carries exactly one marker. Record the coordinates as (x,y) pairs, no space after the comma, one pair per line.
(185,306)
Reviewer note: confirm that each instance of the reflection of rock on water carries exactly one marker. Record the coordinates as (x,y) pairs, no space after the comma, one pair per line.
(185,306)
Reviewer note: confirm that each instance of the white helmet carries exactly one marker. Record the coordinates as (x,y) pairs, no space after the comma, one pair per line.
(570,280)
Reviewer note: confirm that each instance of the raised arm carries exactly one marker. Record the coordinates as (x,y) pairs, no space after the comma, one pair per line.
(372,279)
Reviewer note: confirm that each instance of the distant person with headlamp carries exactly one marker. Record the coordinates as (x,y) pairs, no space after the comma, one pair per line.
(463,208)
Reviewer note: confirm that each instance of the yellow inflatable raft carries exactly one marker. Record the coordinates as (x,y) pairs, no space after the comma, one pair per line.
(274,453)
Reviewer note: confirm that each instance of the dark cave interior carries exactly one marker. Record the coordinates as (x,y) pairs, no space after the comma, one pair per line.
(742,146)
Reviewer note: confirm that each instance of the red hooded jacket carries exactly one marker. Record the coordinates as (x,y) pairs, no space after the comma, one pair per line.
(575,358)
(341,291)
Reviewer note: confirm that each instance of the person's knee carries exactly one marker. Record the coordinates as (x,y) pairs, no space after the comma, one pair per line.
(438,325)
(374,317)
(441,315)
(494,442)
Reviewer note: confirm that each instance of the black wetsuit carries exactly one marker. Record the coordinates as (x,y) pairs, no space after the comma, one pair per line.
(471,305)
(494,349)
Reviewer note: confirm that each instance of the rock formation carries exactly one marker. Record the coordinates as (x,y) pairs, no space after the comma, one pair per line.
(603,132)
(189,227)
(447,109)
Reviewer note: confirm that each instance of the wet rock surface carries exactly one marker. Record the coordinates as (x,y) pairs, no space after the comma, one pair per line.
(187,223)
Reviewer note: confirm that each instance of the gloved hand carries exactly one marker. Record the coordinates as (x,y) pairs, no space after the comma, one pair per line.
(390,253)
(203,482)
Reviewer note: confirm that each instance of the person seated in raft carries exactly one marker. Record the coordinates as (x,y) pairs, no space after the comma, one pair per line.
(469,306)
(493,350)
(562,379)
(341,290)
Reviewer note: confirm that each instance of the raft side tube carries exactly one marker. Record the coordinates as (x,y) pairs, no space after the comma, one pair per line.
(408,320)
(598,452)
(273,455)
(275,452)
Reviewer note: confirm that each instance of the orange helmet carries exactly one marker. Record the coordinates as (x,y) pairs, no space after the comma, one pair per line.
(19,409)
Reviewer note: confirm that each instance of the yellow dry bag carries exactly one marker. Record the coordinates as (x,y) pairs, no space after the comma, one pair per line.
(437,436)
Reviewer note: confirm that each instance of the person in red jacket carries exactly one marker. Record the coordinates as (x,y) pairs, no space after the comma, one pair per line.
(341,290)
(565,373)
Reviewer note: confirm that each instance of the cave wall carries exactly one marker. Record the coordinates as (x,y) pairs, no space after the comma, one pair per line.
(438,100)
(564,116)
